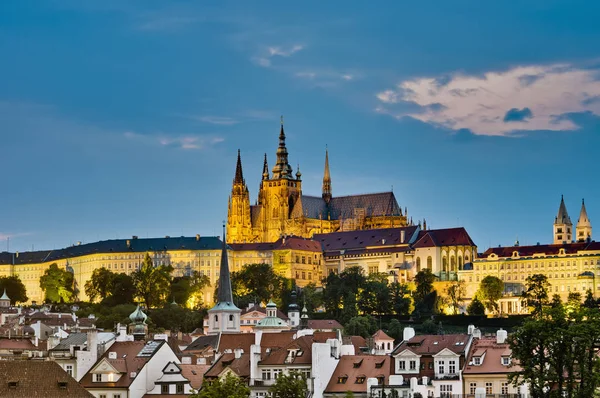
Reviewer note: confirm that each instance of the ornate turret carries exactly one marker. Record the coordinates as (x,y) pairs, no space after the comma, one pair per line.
(304,318)
(326,179)
(294,310)
(4,300)
(584,226)
(138,319)
(265,173)
(282,168)
(562,224)
(239,223)
(224,316)
(239,175)
(298,174)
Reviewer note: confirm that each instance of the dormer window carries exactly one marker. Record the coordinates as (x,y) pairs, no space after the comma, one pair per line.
(342,379)
(379,364)
(360,379)
(476,361)
(505,360)
(357,364)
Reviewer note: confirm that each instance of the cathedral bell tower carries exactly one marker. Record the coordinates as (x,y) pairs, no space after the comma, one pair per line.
(239,227)
(563,227)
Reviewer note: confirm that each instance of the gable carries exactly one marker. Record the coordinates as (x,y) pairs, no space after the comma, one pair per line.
(172,367)
(104,366)
(446,353)
(406,353)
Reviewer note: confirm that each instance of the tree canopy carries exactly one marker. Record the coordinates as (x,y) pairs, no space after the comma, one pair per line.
(292,385)
(490,291)
(456,293)
(229,386)
(187,290)
(57,284)
(535,294)
(152,283)
(256,283)
(98,287)
(15,289)
(476,307)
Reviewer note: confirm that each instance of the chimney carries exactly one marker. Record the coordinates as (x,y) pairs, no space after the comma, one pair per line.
(501,336)
(128,244)
(197,237)
(92,342)
(402,236)
(476,333)
(237,353)
(470,329)
(408,333)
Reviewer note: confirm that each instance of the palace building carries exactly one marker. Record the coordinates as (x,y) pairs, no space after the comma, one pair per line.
(282,209)
(571,265)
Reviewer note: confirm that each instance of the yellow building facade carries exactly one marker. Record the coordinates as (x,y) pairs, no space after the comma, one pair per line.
(283,210)
(572,266)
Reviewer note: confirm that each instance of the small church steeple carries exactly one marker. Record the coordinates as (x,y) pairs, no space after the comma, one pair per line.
(562,224)
(326,179)
(282,168)
(584,226)
(224,316)
(239,175)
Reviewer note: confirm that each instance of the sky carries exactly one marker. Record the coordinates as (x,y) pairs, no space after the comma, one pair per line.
(121,118)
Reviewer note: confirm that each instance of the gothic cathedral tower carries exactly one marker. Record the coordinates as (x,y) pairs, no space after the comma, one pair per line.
(278,194)
(563,227)
(239,223)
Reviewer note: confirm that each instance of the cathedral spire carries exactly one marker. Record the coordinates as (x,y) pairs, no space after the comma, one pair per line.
(265,173)
(326,179)
(282,168)
(562,217)
(239,175)
(562,224)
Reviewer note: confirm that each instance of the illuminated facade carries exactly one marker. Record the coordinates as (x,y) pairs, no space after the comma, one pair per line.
(570,266)
(282,209)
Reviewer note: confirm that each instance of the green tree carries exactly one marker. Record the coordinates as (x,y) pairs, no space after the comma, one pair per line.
(292,385)
(15,289)
(349,394)
(176,318)
(424,284)
(456,293)
(229,386)
(122,290)
(350,309)
(535,294)
(395,329)
(256,283)
(187,290)
(590,301)
(311,297)
(401,298)
(363,326)
(490,291)
(476,307)
(57,284)
(350,281)
(574,299)
(374,298)
(99,285)
(152,283)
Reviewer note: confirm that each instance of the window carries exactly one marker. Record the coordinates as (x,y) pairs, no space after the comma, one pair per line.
(69,370)
(476,360)
(98,377)
(504,388)
(360,380)
(413,365)
(102,396)
(179,388)
(452,367)
(430,365)
(488,387)
(429,262)
(472,388)
(266,374)
(418,264)
(402,365)
(446,391)
(342,379)
(441,367)
(505,361)
(164,389)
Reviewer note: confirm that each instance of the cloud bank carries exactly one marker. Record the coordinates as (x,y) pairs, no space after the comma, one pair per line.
(523,98)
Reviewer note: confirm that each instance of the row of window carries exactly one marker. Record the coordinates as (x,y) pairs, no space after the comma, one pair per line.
(489,387)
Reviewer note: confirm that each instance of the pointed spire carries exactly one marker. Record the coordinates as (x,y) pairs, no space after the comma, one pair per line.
(225,295)
(424,225)
(298,173)
(326,179)
(265,173)
(583,217)
(562,217)
(4,296)
(239,175)
(282,168)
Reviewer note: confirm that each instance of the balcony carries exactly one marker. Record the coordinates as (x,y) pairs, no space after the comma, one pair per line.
(261,382)
(447,376)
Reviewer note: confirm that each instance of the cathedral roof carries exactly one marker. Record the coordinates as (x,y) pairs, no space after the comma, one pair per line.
(444,237)
(375,204)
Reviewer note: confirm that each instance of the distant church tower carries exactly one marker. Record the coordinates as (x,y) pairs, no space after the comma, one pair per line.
(224,317)
(326,180)
(584,226)
(563,227)
(238,212)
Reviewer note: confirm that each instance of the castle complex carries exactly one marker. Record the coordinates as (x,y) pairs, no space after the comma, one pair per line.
(282,208)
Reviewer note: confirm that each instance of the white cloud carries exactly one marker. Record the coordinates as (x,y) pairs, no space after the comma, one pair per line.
(186,142)
(264,59)
(523,98)
(220,120)
(273,51)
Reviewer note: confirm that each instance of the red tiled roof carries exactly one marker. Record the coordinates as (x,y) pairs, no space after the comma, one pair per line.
(278,357)
(241,365)
(18,344)
(381,335)
(549,250)
(324,324)
(263,310)
(443,237)
(38,379)
(231,341)
(358,241)
(492,361)
(431,344)
(351,367)
(194,373)
(297,243)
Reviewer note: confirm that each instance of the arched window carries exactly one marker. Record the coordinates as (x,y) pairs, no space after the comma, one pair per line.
(460,262)
(452,264)
(274,212)
(418,264)
(216,318)
(444,264)
(230,318)
(429,263)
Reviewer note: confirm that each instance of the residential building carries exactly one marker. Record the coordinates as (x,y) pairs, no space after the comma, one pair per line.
(487,367)
(435,361)
(382,343)
(171,382)
(282,208)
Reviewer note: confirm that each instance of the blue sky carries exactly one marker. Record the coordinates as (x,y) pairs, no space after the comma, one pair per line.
(122,118)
